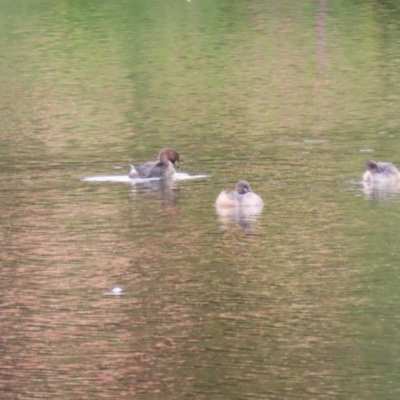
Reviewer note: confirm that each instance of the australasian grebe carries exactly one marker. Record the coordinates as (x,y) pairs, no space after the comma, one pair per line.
(381,173)
(241,197)
(164,167)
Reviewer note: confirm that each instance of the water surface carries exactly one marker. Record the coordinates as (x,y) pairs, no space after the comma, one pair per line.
(297,302)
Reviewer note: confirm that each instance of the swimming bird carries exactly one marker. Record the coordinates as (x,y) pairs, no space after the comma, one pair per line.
(243,196)
(381,173)
(164,167)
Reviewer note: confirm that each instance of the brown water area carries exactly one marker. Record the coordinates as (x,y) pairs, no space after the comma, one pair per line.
(298,300)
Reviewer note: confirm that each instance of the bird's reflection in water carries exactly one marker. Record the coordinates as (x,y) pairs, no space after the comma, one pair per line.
(382,191)
(166,189)
(243,217)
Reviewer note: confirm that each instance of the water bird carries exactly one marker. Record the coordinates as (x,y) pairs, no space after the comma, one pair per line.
(243,196)
(165,166)
(381,173)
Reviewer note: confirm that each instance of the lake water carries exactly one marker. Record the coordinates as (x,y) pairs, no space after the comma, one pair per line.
(301,301)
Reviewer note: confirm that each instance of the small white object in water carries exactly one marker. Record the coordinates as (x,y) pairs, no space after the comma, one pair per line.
(117,291)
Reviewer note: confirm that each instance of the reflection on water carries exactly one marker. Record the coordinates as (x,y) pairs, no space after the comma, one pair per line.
(381,191)
(243,217)
(321,41)
(165,189)
(297,301)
